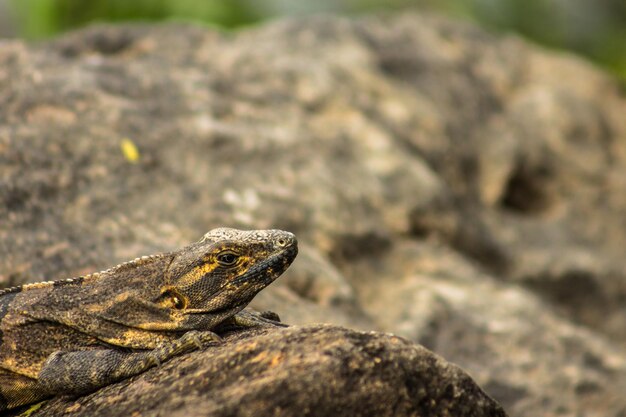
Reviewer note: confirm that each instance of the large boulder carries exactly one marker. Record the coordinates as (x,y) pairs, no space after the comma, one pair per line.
(460,189)
(310,371)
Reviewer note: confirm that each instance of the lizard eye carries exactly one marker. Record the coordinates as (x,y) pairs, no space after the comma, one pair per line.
(177,302)
(227,258)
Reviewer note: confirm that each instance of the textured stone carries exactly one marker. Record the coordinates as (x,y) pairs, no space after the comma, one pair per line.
(308,371)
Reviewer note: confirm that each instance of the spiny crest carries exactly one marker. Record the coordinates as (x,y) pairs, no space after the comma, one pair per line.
(142,260)
(75,280)
(41,284)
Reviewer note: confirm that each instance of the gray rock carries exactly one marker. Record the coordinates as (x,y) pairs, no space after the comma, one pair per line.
(307,371)
(459,189)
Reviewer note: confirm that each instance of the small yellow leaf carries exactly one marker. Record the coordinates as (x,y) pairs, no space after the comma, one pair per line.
(130,151)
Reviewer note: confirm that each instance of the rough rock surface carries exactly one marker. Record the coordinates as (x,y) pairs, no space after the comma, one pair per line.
(306,371)
(459,189)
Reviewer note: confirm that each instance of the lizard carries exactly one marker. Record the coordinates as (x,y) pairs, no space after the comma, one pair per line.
(73,336)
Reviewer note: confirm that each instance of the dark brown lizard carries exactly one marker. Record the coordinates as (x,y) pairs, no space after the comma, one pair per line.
(73,336)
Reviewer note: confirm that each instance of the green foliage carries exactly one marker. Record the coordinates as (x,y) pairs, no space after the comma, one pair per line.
(43,18)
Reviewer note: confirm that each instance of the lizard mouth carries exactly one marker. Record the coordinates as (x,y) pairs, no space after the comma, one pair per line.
(268,270)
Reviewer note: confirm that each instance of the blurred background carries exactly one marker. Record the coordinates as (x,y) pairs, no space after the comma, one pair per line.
(592,28)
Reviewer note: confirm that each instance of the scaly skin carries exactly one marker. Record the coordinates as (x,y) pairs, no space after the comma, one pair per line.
(76,335)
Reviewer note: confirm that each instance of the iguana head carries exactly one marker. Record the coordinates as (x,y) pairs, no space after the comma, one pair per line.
(227,268)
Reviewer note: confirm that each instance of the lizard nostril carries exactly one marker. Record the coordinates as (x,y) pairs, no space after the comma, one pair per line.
(285,240)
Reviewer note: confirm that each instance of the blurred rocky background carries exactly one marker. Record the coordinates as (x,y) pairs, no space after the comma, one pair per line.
(593,28)
(460,188)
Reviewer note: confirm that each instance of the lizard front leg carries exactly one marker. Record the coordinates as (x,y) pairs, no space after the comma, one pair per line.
(83,371)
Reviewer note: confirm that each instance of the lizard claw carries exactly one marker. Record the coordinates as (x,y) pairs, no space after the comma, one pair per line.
(270,315)
(200,339)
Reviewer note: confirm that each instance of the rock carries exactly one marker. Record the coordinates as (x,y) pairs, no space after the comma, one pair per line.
(316,370)
(459,189)
(509,340)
